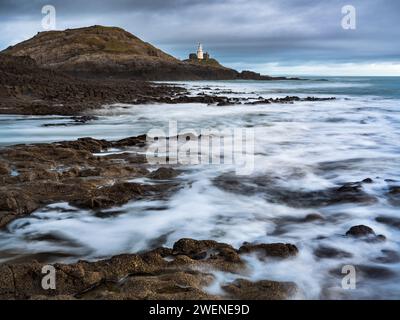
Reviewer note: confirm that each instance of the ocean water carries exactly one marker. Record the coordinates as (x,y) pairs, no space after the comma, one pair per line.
(300,147)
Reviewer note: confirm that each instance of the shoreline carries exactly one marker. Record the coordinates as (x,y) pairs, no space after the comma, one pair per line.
(26,89)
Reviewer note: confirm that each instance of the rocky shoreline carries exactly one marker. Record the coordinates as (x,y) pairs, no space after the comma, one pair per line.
(180,273)
(33,176)
(27,89)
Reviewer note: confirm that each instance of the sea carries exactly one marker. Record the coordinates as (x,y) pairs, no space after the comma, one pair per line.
(299,147)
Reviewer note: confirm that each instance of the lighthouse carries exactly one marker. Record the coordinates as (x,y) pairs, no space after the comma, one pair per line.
(200,54)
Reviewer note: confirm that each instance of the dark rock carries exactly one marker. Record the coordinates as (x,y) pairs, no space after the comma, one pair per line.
(139,141)
(274,250)
(163,174)
(274,192)
(394,195)
(375,272)
(313,217)
(366,233)
(324,252)
(388,256)
(360,231)
(199,249)
(368,272)
(390,221)
(368,180)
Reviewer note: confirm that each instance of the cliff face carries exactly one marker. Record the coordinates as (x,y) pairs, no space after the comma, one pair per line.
(99,51)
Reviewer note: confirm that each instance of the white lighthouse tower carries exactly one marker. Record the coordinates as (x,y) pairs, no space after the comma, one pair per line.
(200,54)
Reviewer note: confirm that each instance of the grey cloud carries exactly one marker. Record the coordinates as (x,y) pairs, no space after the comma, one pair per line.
(232,30)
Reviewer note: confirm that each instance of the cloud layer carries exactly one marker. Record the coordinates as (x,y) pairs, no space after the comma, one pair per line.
(240,33)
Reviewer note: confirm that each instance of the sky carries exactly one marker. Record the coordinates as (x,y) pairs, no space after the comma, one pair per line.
(275,37)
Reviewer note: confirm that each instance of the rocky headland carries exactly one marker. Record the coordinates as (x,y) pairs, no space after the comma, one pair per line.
(111,52)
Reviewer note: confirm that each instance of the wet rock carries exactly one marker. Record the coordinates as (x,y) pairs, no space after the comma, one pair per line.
(139,141)
(274,192)
(163,174)
(360,231)
(365,233)
(366,272)
(324,252)
(368,180)
(68,171)
(111,196)
(313,217)
(242,289)
(284,224)
(177,285)
(274,250)
(389,221)
(219,254)
(141,276)
(375,272)
(394,195)
(388,256)
(88,144)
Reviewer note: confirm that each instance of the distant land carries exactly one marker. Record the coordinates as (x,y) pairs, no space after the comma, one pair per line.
(111,52)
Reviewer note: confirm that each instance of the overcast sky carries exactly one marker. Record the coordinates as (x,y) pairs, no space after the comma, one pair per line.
(269,36)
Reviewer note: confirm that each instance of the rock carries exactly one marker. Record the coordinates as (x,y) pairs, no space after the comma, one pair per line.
(17,202)
(274,192)
(221,255)
(163,174)
(368,180)
(394,195)
(4,169)
(178,285)
(142,276)
(390,221)
(274,250)
(366,233)
(68,171)
(139,141)
(324,252)
(389,256)
(7,288)
(360,231)
(394,190)
(26,88)
(375,272)
(313,217)
(242,289)
(367,272)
